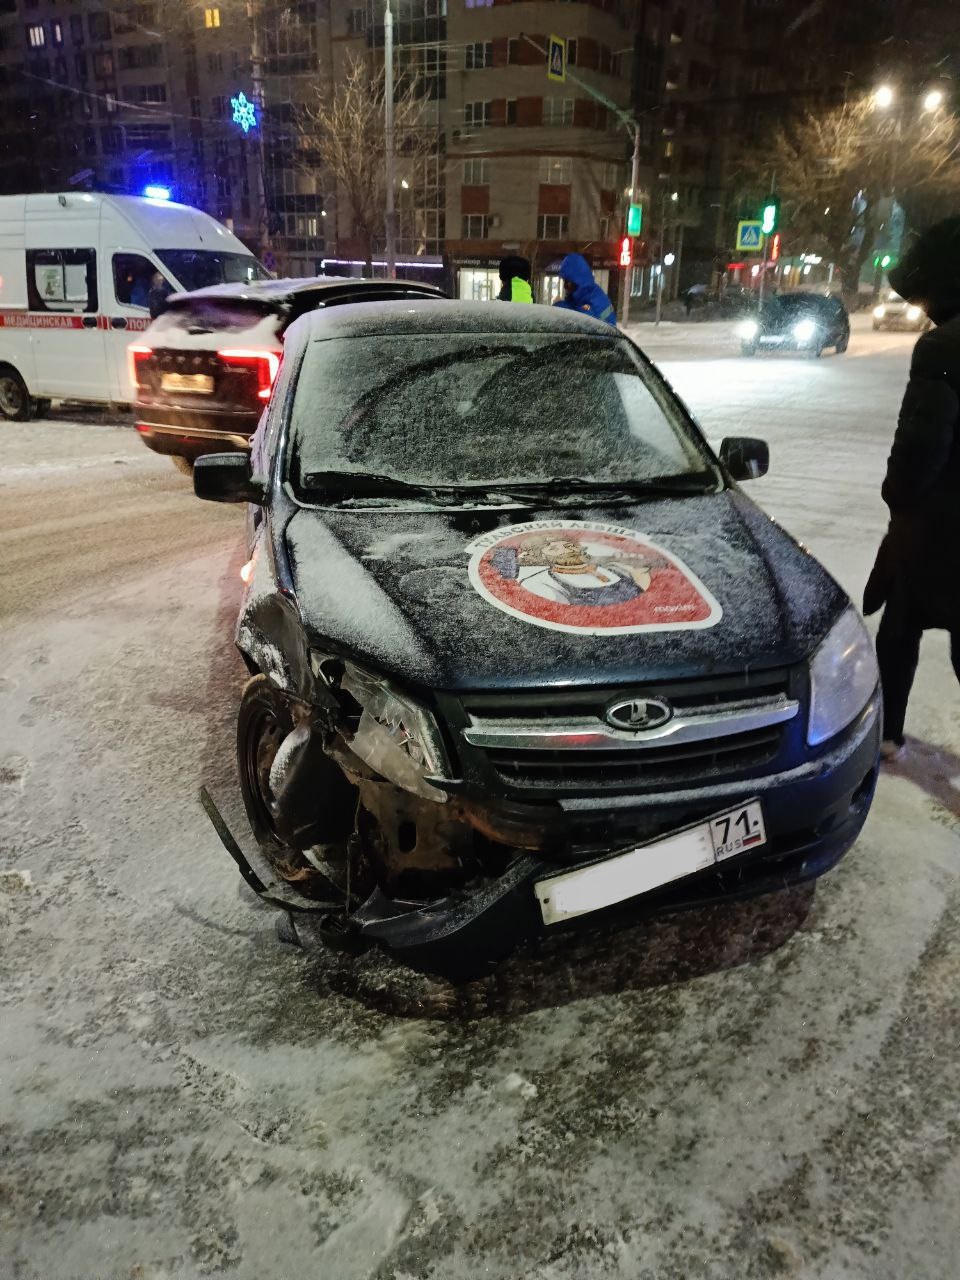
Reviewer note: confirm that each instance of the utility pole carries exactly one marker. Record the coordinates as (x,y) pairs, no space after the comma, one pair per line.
(390,157)
(260,175)
(766,241)
(627,272)
(663,247)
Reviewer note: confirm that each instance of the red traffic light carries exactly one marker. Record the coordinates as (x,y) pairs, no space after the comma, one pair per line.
(626,252)
(775,247)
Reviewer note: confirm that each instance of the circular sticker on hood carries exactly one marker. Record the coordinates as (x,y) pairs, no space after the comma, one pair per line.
(596,579)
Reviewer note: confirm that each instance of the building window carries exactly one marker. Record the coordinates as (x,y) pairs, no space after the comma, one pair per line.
(476,172)
(103,66)
(604,229)
(556,170)
(76,28)
(476,114)
(611,176)
(36,36)
(552,226)
(571,53)
(56,33)
(214,61)
(98,24)
(211,18)
(557,111)
(510,114)
(478,55)
(357,22)
(474,226)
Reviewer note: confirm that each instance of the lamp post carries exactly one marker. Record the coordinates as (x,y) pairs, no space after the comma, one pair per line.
(674,197)
(389,157)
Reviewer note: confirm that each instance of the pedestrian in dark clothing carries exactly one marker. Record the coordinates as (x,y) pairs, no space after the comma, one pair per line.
(916,576)
(581,292)
(515,280)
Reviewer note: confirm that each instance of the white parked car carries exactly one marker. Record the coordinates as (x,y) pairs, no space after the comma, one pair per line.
(895,313)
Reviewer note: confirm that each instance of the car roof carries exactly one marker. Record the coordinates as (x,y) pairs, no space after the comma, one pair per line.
(276,291)
(426,315)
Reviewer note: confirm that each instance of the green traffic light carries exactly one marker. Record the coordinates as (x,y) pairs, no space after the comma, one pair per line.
(634,219)
(885,261)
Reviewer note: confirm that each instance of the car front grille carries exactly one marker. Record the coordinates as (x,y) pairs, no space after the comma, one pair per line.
(720,728)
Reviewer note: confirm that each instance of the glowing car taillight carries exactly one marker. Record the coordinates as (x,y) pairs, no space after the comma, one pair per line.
(264,363)
(136,356)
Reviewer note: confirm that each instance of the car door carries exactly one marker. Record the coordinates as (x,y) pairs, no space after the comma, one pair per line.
(129,277)
(68,338)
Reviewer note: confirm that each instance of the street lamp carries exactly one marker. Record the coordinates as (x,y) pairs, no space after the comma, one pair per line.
(933,100)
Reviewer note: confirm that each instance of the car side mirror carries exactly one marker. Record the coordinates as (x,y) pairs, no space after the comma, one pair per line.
(227,477)
(745,457)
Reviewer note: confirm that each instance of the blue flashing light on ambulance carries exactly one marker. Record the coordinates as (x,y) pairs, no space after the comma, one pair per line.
(78,273)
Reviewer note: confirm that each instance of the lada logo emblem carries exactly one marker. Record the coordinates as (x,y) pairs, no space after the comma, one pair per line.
(639,714)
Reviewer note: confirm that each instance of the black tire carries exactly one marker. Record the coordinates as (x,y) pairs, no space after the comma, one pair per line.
(748,348)
(41,408)
(263,721)
(876,326)
(816,351)
(183,465)
(843,344)
(15,402)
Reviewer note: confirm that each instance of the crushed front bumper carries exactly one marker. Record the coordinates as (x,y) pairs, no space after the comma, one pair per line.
(813,814)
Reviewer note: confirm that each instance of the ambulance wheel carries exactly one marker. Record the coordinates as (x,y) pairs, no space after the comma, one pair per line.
(15,403)
(41,408)
(183,464)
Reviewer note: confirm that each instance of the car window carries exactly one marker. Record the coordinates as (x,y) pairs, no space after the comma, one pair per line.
(133,278)
(215,315)
(62,280)
(200,268)
(486,408)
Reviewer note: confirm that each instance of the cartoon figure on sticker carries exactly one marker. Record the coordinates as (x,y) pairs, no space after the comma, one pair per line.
(590,578)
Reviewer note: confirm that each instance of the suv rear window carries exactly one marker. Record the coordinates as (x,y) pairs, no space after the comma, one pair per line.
(215,315)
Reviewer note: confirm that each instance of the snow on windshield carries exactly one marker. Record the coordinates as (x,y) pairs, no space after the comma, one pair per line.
(485,408)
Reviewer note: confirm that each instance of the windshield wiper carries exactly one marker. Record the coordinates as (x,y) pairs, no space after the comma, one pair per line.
(558,486)
(367,484)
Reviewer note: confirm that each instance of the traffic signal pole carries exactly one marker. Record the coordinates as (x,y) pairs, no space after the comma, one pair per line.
(626,273)
(766,242)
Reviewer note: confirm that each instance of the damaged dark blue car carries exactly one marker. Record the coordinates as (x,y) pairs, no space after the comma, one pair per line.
(521,650)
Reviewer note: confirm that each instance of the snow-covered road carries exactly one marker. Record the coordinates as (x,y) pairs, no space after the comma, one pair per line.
(738,1093)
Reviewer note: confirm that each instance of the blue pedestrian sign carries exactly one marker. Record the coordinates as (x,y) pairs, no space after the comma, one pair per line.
(557,59)
(749,236)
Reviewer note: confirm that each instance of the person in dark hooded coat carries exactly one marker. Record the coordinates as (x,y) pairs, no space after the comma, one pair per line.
(917,572)
(515,280)
(581,291)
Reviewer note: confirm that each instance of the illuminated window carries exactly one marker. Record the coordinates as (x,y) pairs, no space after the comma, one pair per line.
(211,18)
(36,36)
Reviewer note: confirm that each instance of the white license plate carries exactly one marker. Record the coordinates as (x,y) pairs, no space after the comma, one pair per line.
(574,893)
(199,383)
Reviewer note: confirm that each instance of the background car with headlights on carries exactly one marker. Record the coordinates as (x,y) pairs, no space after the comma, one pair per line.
(806,322)
(895,312)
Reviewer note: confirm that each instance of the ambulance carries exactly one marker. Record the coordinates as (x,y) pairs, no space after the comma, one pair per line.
(78,274)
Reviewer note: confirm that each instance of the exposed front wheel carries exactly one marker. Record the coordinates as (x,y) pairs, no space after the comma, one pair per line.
(15,402)
(263,722)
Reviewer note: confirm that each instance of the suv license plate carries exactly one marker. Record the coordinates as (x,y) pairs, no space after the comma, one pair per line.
(574,893)
(199,383)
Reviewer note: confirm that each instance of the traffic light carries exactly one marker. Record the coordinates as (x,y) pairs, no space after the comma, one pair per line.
(769,215)
(626,252)
(634,219)
(775,247)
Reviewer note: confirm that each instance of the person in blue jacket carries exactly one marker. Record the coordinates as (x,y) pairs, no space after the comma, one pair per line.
(581,292)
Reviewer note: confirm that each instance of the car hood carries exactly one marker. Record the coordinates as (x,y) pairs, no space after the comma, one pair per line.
(409,593)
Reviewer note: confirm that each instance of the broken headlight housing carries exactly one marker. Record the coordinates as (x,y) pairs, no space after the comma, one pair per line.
(396,736)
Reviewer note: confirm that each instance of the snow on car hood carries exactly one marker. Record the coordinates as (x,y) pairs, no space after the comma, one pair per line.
(493,599)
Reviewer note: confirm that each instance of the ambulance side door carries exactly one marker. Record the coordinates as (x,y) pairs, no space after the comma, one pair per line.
(68,338)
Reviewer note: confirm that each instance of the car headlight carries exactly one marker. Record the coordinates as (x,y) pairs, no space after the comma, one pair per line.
(880,311)
(914,313)
(395,736)
(843,675)
(804,330)
(748,329)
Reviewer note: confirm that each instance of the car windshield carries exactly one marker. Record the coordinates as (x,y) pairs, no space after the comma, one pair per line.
(199,268)
(487,410)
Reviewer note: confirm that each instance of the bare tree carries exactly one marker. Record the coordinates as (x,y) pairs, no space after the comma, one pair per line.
(342,131)
(836,170)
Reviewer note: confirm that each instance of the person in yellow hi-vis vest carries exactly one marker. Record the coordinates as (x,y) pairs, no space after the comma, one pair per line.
(515,280)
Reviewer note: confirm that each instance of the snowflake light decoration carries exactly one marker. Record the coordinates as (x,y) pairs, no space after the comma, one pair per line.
(244,112)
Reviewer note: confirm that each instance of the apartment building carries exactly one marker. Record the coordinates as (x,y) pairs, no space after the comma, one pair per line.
(535,167)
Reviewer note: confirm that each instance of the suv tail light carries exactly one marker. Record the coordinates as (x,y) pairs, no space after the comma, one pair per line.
(264,363)
(137,355)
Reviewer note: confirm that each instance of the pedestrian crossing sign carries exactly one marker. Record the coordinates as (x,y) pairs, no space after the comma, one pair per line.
(557,59)
(749,236)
